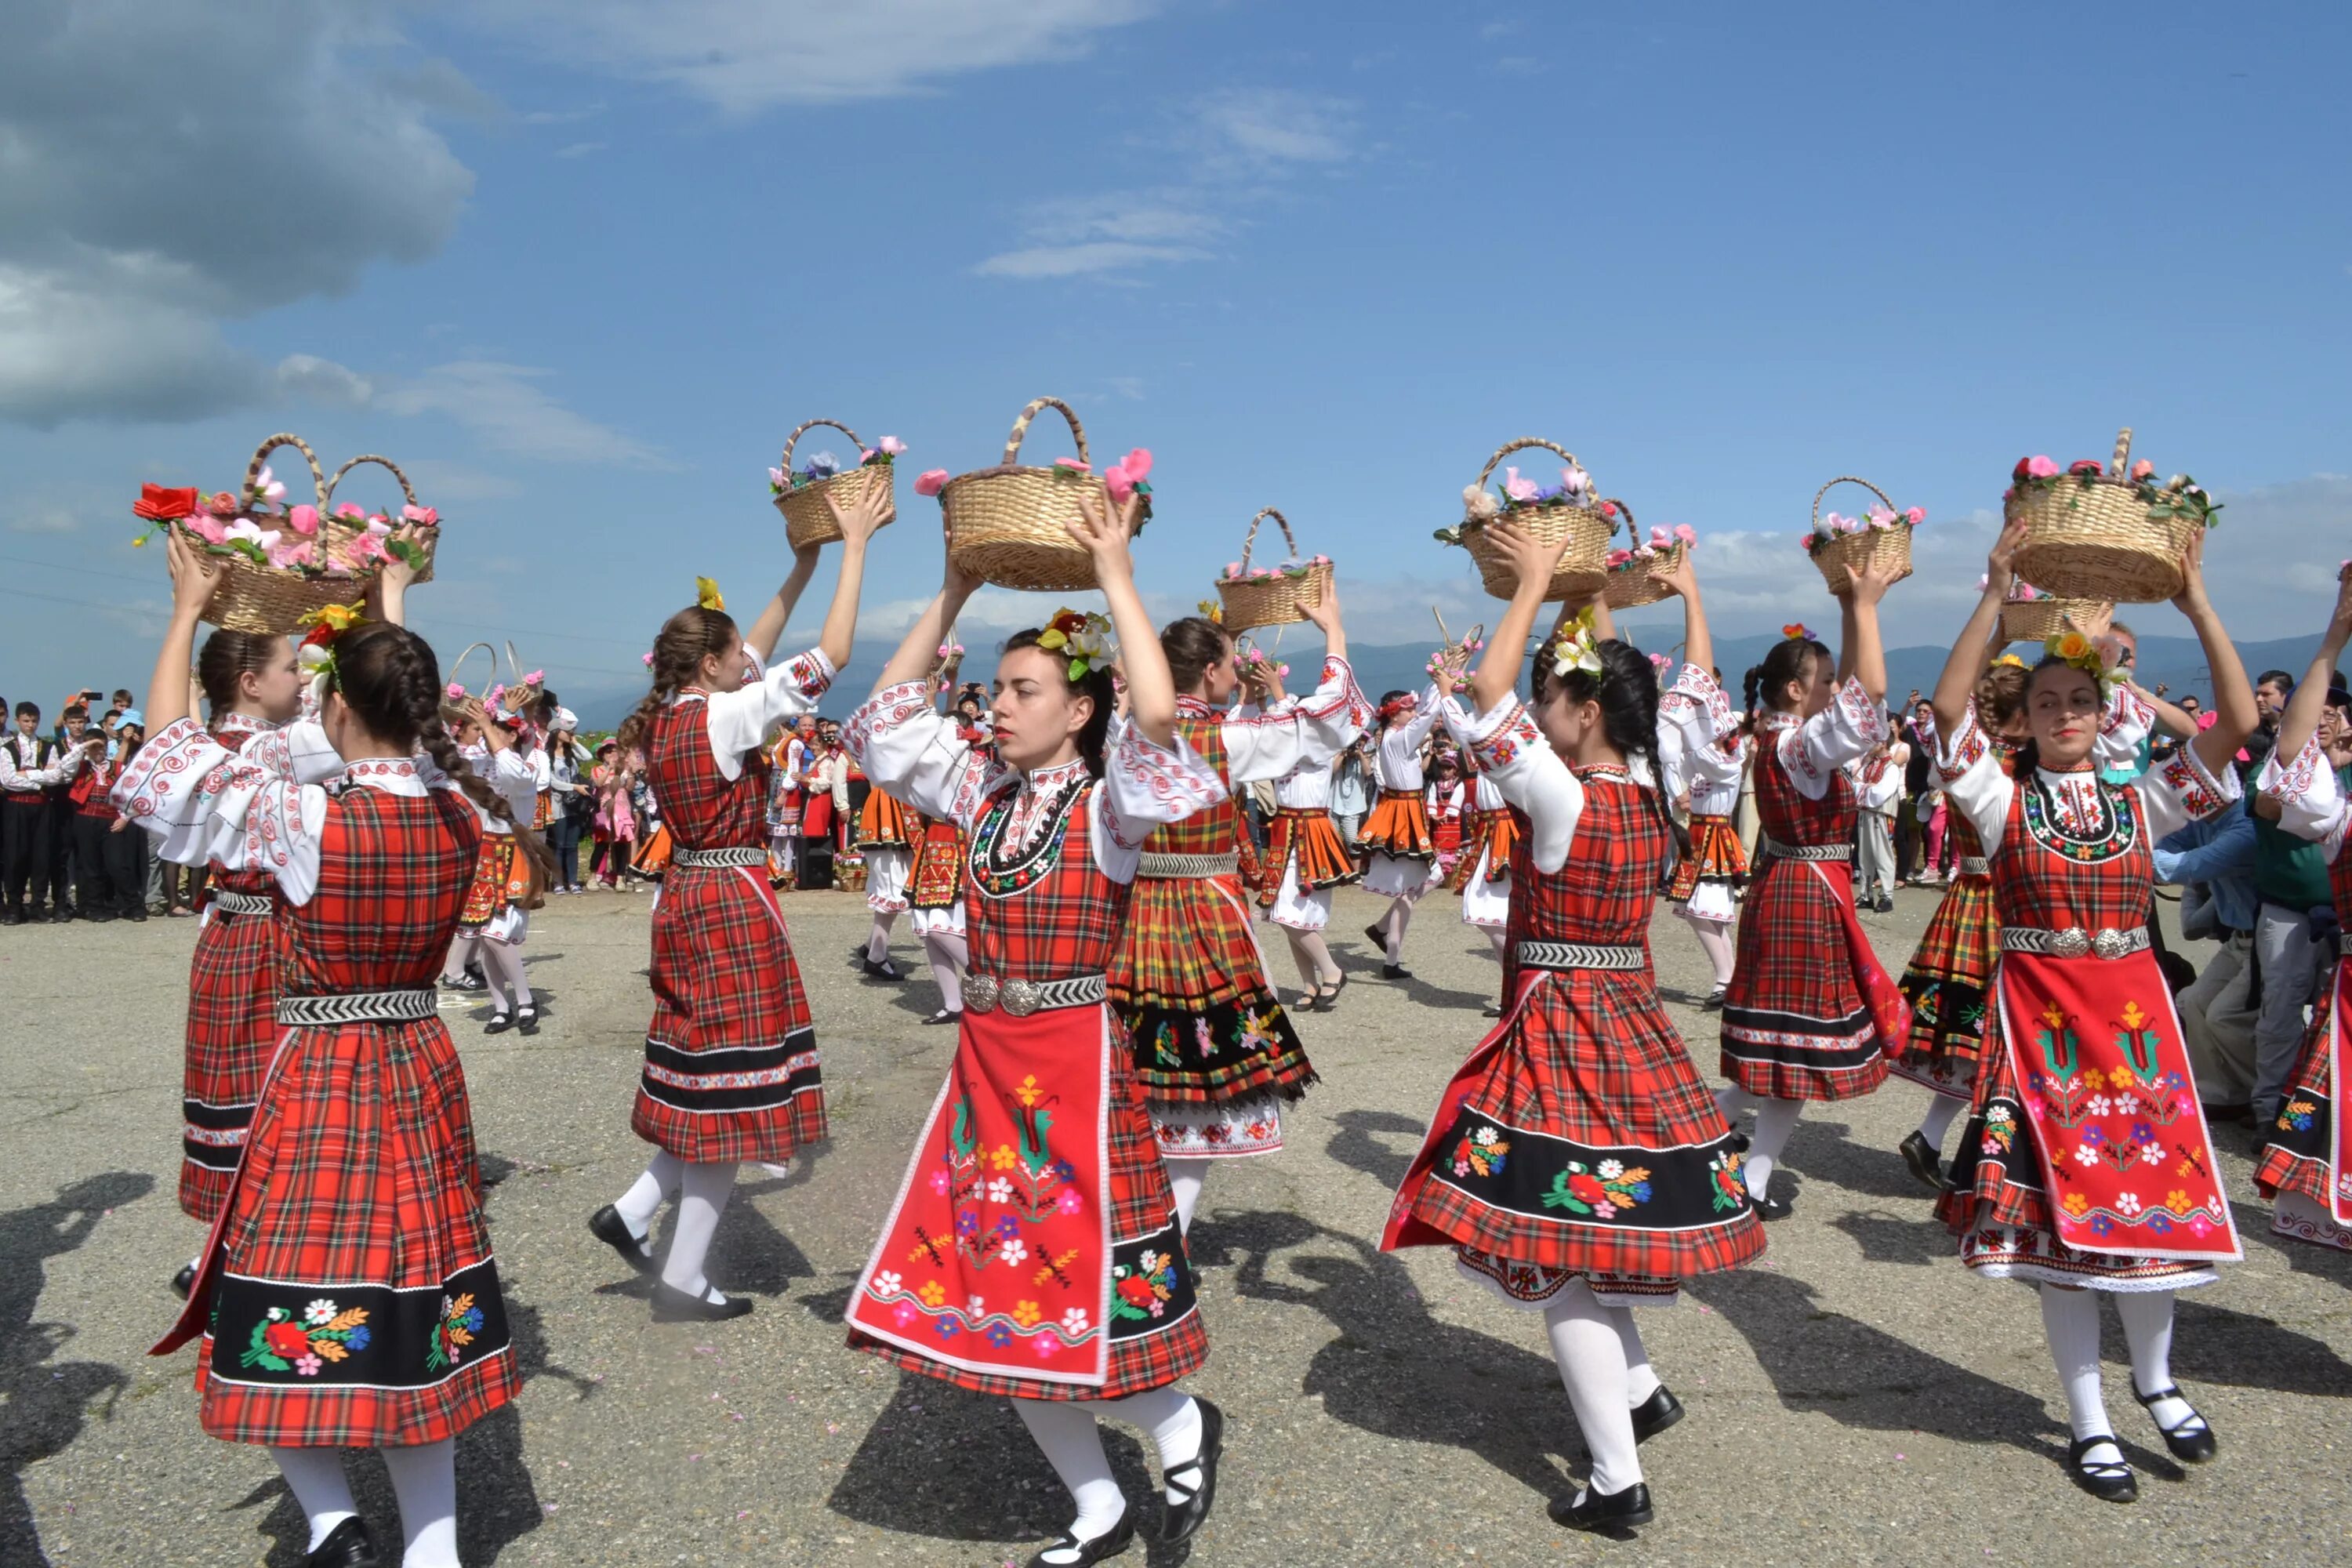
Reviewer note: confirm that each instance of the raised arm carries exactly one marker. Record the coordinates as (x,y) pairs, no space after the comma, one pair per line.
(1150,689)
(1861,654)
(1957,687)
(1499,670)
(857,525)
(193,579)
(919,646)
(2233,695)
(2301,720)
(1324,614)
(1698,643)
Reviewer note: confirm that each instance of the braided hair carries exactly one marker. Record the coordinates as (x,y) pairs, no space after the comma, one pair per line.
(1626,691)
(1095,683)
(1792,659)
(228,656)
(686,639)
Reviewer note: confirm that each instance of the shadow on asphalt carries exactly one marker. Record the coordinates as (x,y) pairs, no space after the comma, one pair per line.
(46,1400)
(1380,1143)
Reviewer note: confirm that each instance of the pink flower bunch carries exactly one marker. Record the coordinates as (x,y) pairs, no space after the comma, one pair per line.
(350,512)
(648,658)
(2034,467)
(456,693)
(536,678)
(1127,473)
(303,519)
(1516,488)
(930,482)
(422,516)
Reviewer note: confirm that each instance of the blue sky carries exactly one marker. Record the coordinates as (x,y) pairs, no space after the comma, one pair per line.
(580,265)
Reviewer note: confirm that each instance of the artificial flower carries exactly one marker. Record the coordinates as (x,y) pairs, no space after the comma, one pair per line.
(1477,504)
(1916,516)
(706,594)
(1686,534)
(422,516)
(776,478)
(889,446)
(930,481)
(1576,648)
(303,519)
(350,512)
(1129,474)
(2038,468)
(1574,481)
(456,693)
(223,504)
(158,504)
(2086,466)
(648,658)
(1082,638)
(289,553)
(369,547)
(1073,466)
(1618,557)
(1661,536)
(1212,610)
(267,486)
(2142,470)
(536,678)
(1797,631)
(336,618)
(1517,489)
(823,466)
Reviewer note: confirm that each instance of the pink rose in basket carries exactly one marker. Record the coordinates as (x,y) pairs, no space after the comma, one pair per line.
(1686,534)
(2086,466)
(368,547)
(1661,536)
(1074,465)
(209,529)
(223,504)
(291,552)
(456,693)
(775,479)
(1916,516)
(302,519)
(890,446)
(2038,468)
(1232,569)
(2142,470)
(1608,509)
(350,512)
(422,516)
(1127,473)
(1618,557)
(1517,487)
(930,481)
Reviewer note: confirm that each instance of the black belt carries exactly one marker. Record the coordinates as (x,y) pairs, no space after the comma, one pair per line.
(985,993)
(1579,955)
(1974,866)
(722,856)
(358,1007)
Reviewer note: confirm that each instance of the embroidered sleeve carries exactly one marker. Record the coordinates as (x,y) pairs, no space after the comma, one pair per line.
(1527,773)
(1814,750)
(1707,744)
(2310,799)
(913,754)
(740,721)
(1416,730)
(201,802)
(2123,727)
(299,750)
(1143,786)
(1979,787)
(2181,791)
(1297,731)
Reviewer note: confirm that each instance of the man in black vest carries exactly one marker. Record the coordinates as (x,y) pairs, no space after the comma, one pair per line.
(28,769)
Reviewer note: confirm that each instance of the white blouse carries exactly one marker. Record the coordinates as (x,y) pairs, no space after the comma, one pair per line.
(745,720)
(1812,751)
(912,753)
(2311,798)
(1396,764)
(1295,732)
(2172,795)
(510,777)
(1700,743)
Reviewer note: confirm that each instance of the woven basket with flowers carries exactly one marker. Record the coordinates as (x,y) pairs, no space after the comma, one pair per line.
(1549,513)
(2029,614)
(2108,532)
(801,493)
(1008,524)
(1880,537)
(1638,576)
(1271,595)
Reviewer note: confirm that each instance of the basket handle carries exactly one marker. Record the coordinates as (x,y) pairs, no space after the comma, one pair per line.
(2121,467)
(1847,479)
(1021,430)
(287,438)
(1287,536)
(794,439)
(406,489)
(459,664)
(1623,514)
(1507,448)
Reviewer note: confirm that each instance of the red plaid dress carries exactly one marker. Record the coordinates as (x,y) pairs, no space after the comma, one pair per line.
(232,1021)
(348,1296)
(1047,883)
(1579,1141)
(730,1069)
(2308,1155)
(1802,1019)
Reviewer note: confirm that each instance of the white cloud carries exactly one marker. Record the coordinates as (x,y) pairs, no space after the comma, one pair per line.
(743,58)
(1273,126)
(506,407)
(1111,232)
(317,380)
(579,149)
(44,517)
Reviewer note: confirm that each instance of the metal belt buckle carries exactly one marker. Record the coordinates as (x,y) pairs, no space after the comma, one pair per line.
(2110,943)
(1020,997)
(980,993)
(2072,943)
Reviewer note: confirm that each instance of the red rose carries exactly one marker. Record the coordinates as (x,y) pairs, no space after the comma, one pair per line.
(1136,1291)
(223,504)
(1587,1190)
(158,505)
(286,1340)
(2086,466)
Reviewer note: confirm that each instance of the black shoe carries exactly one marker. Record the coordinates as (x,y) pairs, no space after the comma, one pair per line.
(672,1305)
(1769,1209)
(945,1016)
(499,1023)
(1614,1514)
(1181,1520)
(185,1281)
(12,917)
(886,970)
(1110,1543)
(527,1018)
(2191,1442)
(2109,1481)
(1655,1413)
(1325,1000)
(1713,1002)
(348,1545)
(138,914)
(1925,1161)
(60,915)
(607,1226)
(1395,972)
(1376,937)
(1491,1010)
(1739,1142)
(100,917)
(1885,905)
(450,982)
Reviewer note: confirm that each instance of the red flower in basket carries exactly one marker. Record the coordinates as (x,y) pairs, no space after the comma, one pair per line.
(160,505)
(1136,1291)
(286,1340)
(2086,466)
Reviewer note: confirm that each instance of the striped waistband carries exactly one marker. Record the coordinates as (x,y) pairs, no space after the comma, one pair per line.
(1187,868)
(357,1007)
(1387,794)
(1779,851)
(2073,941)
(1974,866)
(236,903)
(985,993)
(722,858)
(1579,955)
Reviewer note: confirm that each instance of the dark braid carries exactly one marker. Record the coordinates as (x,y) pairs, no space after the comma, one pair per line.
(228,655)
(1095,683)
(1627,693)
(685,640)
(1792,659)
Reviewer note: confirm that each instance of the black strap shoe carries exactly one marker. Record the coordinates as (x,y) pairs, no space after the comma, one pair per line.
(1070,1550)
(185,1281)
(1611,1514)
(672,1305)
(1655,1413)
(1325,1000)
(1925,1162)
(527,1018)
(1195,1497)
(1770,1208)
(499,1023)
(348,1545)
(2191,1442)
(1376,937)
(945,1016)
(2110,1480)
(885,969)
(607,1226)
(1713,1002)
(1395,972)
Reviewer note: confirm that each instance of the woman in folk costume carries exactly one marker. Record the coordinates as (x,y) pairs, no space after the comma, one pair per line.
(730,1067)
(1033,1250)
(1396,835)
(497,917)
(2306,1170)
(1213,1047)
(1482,875)
(254,687)
(348,1297)
(2086,1166)
(887,832)
(1706,763)
(1577,1164)
(935,890)
(787,759)
(1305,860)
(1447,800)
(1809,1014)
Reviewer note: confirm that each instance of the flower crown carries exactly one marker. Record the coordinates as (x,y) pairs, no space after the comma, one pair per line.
(707,595)
(1797,631)
(2074,649)
(1082,638)
(1575,647)
(317,655)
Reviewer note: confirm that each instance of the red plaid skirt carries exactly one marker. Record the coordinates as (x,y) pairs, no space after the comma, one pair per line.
(1399,826)
(502,878)
(1578,1140)
(349,1297)
(2296,1160)
(1189,986)
(231,1030)
(1950,987)
(1715,854)
(730,1067)
(1796,1023)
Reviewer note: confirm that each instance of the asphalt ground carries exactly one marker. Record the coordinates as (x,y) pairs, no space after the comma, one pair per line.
(1857,1398)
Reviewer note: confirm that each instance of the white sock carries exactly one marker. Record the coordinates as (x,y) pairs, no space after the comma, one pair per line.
(636,1205)
(1938,1120)
(1714,940)
(1731,1099)
(1065,1431)
(1185,1179)
(702,1195)
(502,965)
(1172,1419)
(1641,1379)
(315,1477)
(1316,965)
(1592,1367)
(948,957)
(424,1479)
(1775,1119)
(877,941)
(2147,1328)
(1400,915)
(2071,1320)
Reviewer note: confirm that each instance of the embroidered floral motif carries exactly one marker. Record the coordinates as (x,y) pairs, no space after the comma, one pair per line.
(1730,1192)
(2080,819)
(2000,1131)
(460,1322)
(281,1344)
(1007,859)
(1483,1150)
(1600,1191)
(1143,1292)
(2297,1116)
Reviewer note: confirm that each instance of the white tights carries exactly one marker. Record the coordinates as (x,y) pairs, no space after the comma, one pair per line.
(1714,940)
(424,1480)
(949,958)
(1938,1120)
(1392,924)
(2071,1320)
(1185,1179)
(1067,1433)
(1775,1119)
(1595,1347)
(1313,956)
(502,966)
(703,1191)
(877,941)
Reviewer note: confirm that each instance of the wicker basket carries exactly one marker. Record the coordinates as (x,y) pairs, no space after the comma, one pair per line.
(429,538)
(2100,539)
(2039,620)
(1638,582)
(1280,600)
(808,523)
(1006,525)
(1582,570)
(1871,547)
(269,600)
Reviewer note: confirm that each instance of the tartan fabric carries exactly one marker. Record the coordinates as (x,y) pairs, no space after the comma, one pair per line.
(1492,838)
(1307,835)
(1795,1023)
(2295,1158)
(1948,981)
(702,807)
(500,877)
(2093,875)
(732,1071)
(1218,829)
(359,1191)
(883,823)
(97,803)
(1715,854)
(231,1030)
(1399,826)
(1581,1138)
(937,880)
(1047,912)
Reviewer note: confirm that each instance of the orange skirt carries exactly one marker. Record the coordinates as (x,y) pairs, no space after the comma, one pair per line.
(1399,826)
(884,823)
(1304,841)
(1715,854)
(655,856)
(1494,834)
(502,878)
